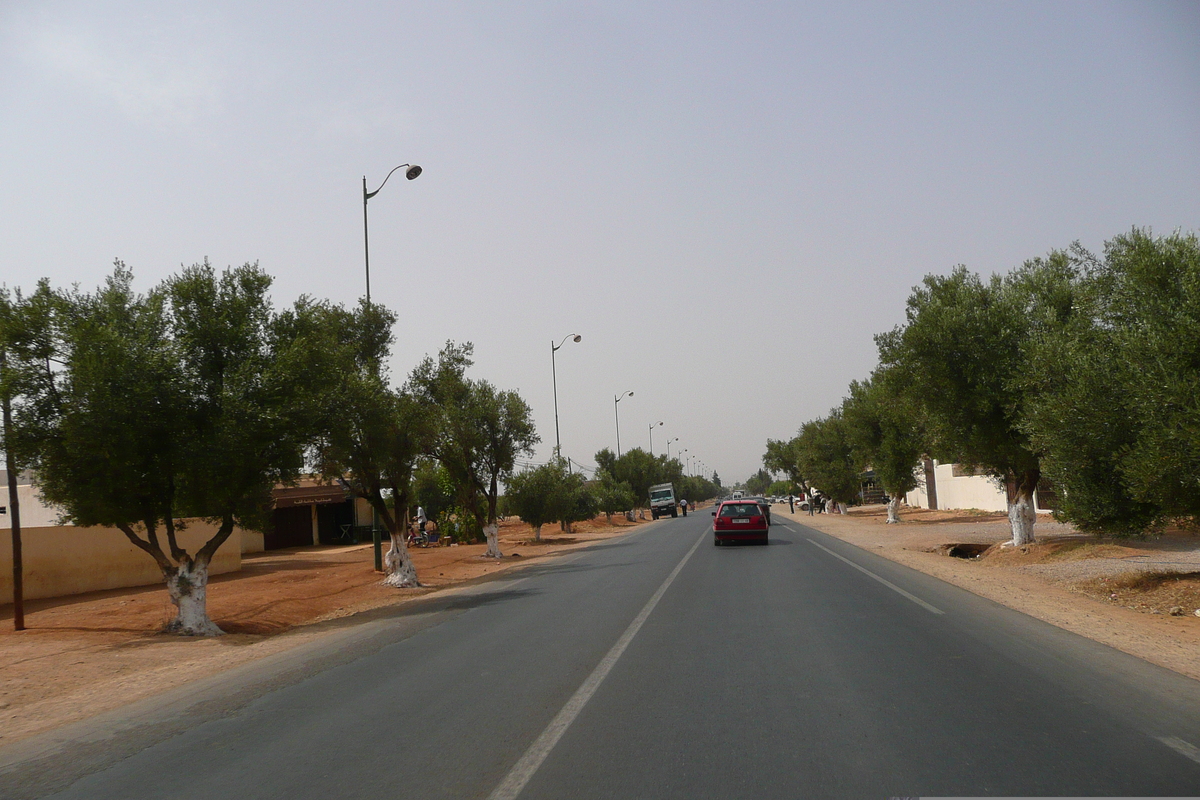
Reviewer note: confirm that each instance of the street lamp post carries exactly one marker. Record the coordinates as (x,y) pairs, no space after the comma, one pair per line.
(617,416)
(676,439)
(652,426)
(575,337)
(411,173)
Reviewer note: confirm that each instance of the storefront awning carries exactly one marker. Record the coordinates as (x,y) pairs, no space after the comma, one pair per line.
(308,496)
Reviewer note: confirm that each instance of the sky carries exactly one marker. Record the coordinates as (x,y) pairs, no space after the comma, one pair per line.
(726,201)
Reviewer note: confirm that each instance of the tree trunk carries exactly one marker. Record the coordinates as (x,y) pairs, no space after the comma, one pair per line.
(491,532)
(893,509)
(1021,515)
(187,585)
(537,533)
(399,567)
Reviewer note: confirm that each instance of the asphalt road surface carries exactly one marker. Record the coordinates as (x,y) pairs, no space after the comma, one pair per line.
(651,666)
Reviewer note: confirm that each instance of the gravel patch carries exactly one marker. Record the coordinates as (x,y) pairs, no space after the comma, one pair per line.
(1087,568)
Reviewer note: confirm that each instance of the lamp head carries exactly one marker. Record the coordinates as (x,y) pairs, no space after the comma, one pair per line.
(577,338)
(412,171)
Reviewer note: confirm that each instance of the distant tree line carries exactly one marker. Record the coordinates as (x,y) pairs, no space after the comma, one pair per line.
(552,493)
(1077,367)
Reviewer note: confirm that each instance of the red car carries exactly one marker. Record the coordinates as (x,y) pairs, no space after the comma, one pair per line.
(739,521)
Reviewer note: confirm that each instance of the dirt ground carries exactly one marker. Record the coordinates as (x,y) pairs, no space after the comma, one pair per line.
(84,654)
(89,653)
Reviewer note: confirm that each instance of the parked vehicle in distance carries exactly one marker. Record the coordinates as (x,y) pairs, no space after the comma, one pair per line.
(764,503)
(662,501)
(739,521)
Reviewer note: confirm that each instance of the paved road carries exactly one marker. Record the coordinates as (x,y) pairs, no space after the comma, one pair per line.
(658,666)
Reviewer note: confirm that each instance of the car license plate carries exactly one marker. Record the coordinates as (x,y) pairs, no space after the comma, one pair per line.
(741,522)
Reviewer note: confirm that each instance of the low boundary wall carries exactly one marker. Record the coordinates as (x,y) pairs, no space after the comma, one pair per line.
(64,559)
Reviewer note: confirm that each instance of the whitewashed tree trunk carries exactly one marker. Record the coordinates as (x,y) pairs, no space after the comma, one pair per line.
(537,533)
(492,532)
(1021,517)
(893,510)
(399,567)
(188,589)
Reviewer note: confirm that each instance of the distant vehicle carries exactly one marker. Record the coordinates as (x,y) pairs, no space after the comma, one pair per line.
(737,494)
(764,504)
(740,521)
(662,501)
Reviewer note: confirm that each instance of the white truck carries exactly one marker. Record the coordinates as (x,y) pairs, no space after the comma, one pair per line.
(662,501)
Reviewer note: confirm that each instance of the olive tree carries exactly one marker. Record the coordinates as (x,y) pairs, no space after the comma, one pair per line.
(884,435)
(184,402)
(478,432)
(962,359)
(529,494)
(824,454)
(611,495)
(371,434)
(1117,389)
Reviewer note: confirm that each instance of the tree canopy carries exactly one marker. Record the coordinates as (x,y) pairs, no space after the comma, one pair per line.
(478,431)
(188,396)
(1117,409)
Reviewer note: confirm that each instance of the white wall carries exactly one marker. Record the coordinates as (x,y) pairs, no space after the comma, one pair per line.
(961,491)
(34,514)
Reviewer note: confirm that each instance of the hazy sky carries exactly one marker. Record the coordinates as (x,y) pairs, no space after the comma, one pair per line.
(727,200)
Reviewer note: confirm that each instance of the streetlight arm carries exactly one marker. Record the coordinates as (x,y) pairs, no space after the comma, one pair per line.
(368,195)
(575,336)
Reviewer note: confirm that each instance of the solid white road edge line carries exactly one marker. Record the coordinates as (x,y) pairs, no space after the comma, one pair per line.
(1186,749)
(525,768)
(884,581)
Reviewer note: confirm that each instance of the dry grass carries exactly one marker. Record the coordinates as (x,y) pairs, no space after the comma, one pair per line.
(1153,592)
(1053,551)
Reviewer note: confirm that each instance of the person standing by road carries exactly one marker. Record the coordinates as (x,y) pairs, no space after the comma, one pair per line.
(791,504)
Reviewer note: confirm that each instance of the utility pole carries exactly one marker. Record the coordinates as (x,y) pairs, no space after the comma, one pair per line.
(14,502)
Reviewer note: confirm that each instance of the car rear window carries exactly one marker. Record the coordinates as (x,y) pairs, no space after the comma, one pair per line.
(740,510)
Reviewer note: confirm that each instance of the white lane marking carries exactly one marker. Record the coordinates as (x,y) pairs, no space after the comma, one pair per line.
(882,580)
(524,769)
(1185,749)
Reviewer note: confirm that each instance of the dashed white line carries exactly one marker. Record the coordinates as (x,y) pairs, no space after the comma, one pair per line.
(1185,749)
(882,580)
(524,769)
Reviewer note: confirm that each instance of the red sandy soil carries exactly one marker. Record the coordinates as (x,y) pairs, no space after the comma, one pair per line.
(84,654)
